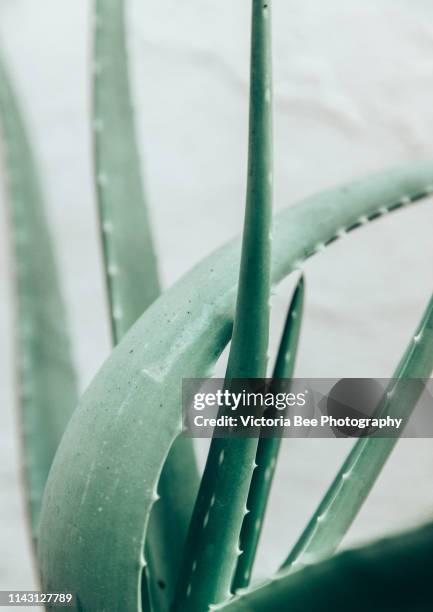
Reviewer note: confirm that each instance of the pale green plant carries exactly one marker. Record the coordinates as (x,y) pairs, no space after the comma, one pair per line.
(125,522)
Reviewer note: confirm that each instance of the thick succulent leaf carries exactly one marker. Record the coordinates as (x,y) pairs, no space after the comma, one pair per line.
(213,537)
(46,378)
(268,448)
(130,264)
(131,271)
(392,574)
(350,488)
(102,485)
(359,472)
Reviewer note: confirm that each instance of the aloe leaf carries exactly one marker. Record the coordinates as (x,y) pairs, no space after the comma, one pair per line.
(101,488)
(268,448)
(345,496)
(213,537)
(130,263)
(364,463)
(374,578)
(46,378)
(131,271)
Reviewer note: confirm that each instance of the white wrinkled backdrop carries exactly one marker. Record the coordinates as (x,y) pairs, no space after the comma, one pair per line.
(353,93)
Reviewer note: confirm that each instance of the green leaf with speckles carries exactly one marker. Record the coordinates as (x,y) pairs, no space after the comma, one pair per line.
(213,538)
(268,448)
(46,378)
(103,480)
(359,472)
(131,272)
(129,257)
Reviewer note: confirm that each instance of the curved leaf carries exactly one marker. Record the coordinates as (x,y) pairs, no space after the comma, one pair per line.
(391,574)
(131,272)
(103,481)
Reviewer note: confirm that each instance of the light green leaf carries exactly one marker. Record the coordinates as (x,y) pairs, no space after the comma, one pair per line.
(46,378)
(103,481)
(213,537)
(268,448)
(359,472)
(131,271)
(129,257)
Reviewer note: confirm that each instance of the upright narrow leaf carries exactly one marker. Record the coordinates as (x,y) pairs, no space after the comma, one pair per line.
(46,378)
(268,448)
(130,264)
(131,271)
(213,541)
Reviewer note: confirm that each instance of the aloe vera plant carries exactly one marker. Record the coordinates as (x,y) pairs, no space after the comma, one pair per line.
(230,463)
(130,264)
(123,486)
